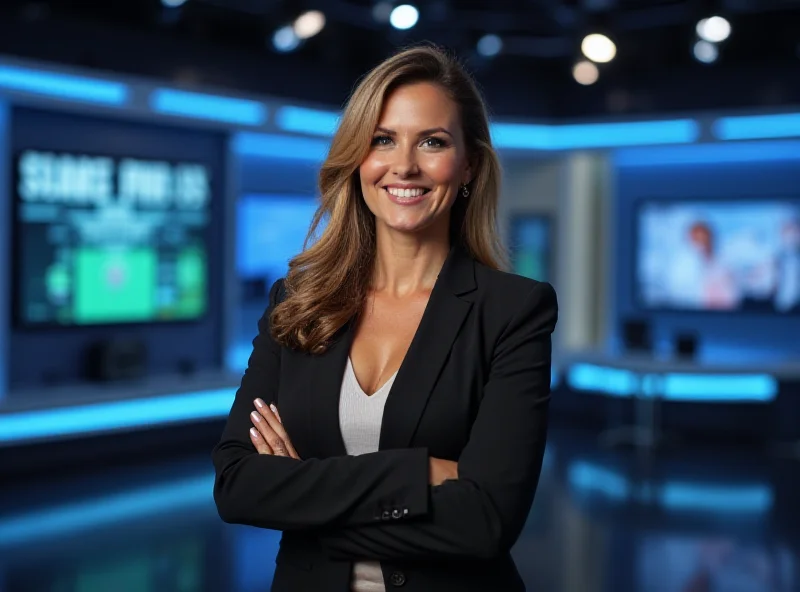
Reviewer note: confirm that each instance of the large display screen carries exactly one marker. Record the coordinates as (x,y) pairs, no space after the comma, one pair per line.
(719,255)
(530,246)
(107,240)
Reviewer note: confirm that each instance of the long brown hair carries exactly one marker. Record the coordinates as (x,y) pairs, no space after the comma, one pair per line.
(328,282)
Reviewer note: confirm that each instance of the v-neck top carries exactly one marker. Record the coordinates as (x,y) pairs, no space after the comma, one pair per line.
(360,418)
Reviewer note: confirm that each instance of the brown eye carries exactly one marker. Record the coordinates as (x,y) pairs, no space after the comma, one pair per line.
(381,140)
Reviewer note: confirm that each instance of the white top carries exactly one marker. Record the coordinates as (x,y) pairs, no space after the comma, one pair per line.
(360,418)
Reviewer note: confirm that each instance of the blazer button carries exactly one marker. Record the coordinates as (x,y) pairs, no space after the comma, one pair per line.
(386,515)
(396,514)
(398,578)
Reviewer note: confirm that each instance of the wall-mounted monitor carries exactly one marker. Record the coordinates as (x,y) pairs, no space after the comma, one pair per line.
(102,239)
(718,255)
(271,230)
(530,245)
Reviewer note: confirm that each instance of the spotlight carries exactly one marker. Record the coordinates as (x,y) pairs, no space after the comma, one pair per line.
(705,52)
(585,72)
(490,45)
(309,24)
(404,16)
(598,48)
(285,40)
(715,29)
(173,3)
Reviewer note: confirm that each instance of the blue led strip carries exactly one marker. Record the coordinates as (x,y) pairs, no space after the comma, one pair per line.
(705,154)
(108,510)
(64,86)
(594,135)
(114,415)
(307,121)
(751,127)
(210,107)
(277,146)
(675,495)
(674,386)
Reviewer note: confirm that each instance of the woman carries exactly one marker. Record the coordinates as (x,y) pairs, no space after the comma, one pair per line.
(392,418)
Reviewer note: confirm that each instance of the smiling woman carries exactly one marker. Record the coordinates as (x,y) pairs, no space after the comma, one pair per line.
(392,418)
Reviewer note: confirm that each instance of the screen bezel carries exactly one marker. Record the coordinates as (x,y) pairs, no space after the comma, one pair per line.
(18,320)
(638,298)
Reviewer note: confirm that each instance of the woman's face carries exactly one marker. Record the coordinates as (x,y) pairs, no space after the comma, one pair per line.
(417,162)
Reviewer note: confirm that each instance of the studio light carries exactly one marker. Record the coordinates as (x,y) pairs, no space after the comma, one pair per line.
(585,73)
(309,24)
(173,3)
(490,45)
(285,39)
(714,30)
(404,16)
(598,48)
(705,52)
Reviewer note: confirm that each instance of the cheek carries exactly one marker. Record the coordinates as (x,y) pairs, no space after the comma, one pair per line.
(371,171)
(443,170)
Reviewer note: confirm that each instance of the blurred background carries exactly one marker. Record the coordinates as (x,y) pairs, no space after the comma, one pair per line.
(158,164)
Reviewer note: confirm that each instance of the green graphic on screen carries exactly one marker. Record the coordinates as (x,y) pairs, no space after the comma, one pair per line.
(129,247)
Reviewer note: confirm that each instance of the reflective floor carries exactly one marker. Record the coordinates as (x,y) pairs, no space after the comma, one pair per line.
(692,521)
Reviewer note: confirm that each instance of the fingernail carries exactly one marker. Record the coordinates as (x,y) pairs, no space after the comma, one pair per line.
(274,409)
(254,432)
(255,416)
(259,403)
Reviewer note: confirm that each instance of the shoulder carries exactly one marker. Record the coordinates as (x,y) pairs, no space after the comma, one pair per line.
(510,289)
(505,296)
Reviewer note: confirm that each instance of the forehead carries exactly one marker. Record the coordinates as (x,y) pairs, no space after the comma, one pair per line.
(423,105)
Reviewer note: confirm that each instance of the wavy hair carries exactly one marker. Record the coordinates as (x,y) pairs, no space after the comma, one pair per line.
(328,282)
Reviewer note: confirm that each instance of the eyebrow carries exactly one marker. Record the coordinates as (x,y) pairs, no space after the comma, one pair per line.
(426,132)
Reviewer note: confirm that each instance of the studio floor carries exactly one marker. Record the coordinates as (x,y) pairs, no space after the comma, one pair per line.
(694,520)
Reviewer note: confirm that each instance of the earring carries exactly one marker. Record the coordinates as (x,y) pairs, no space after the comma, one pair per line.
(465,190)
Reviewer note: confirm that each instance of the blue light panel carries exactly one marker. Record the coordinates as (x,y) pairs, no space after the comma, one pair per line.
(63,86)
(594,135)
(210,107)
(114,415)
(751,127)
(307,121)
(106,511)
(704,154)
(277,146)
(675,495)
(673,386)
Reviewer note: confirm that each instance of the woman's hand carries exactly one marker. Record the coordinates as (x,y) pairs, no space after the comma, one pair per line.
(268,435)
(441,470)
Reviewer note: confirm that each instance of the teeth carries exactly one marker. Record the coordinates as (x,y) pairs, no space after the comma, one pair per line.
(416,192)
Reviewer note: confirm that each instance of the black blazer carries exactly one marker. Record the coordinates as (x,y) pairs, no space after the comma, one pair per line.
(473,388)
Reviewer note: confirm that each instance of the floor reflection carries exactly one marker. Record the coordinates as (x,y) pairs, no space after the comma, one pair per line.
(602,521)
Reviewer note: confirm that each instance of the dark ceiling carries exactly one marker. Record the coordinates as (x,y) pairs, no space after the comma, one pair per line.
(226,43)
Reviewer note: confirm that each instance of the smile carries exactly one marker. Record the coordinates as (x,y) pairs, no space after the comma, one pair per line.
(406,192)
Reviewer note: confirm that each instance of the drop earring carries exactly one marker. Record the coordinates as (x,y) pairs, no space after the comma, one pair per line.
(465,190)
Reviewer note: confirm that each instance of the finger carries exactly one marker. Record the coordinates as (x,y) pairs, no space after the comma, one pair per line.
(276,425)
(261,446)
(275,411)
(287,439)
(268,434)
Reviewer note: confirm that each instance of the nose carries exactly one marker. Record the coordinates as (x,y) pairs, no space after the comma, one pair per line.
(405,163)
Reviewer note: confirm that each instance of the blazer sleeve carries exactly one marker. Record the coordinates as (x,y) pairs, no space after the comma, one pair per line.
(283,493)
(482,513)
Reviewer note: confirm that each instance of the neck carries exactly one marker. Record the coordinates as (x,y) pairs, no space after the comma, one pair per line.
(407,263)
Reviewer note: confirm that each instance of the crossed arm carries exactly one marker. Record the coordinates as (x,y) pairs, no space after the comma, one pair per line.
(473,509)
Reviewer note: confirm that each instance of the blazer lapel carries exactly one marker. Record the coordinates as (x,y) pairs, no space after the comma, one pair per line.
(325,382)
(429,350)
